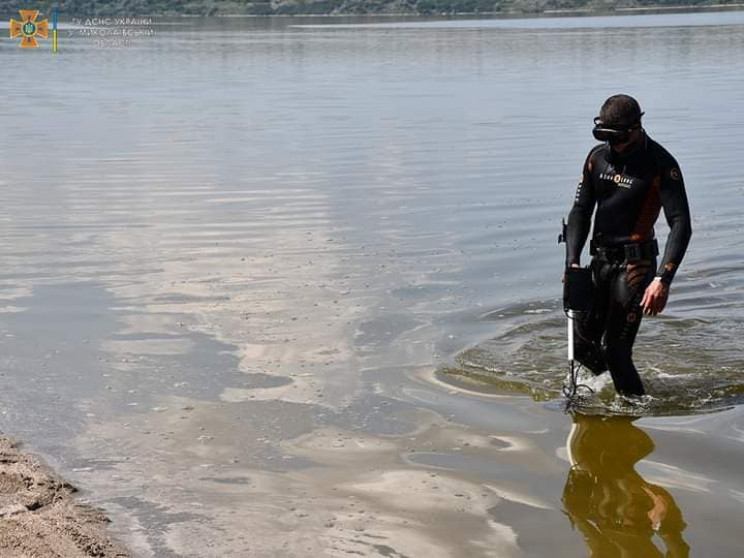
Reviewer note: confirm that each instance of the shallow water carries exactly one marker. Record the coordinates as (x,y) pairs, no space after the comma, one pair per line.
(263,278)
(688,365)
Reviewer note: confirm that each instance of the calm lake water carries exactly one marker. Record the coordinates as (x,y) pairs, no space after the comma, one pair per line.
(290,287)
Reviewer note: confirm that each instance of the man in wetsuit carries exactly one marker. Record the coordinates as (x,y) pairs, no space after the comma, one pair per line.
(629,178)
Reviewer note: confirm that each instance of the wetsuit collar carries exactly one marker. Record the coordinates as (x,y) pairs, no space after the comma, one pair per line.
(624,156)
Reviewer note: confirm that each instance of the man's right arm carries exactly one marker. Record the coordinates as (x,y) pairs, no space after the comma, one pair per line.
(580,217)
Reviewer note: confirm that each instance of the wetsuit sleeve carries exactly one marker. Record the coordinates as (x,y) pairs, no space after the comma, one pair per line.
(677,213)
(580,217)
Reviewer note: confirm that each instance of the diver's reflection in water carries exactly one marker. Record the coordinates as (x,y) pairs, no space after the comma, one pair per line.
(608,501)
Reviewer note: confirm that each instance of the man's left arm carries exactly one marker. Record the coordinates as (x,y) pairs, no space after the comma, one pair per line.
(677,213)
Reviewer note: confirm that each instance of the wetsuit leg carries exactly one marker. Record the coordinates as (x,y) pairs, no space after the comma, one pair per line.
(590,327)
(624,315)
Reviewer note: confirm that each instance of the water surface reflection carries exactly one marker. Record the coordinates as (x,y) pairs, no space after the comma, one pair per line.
(615,508)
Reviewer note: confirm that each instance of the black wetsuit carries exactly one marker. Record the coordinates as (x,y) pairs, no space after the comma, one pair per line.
(629,190)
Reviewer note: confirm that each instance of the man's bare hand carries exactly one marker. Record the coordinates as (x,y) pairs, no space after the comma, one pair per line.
(655,298)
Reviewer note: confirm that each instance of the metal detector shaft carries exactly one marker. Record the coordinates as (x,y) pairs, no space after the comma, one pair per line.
(570,391)
(570,315)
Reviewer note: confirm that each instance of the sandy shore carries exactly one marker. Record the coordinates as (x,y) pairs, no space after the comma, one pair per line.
(40,515)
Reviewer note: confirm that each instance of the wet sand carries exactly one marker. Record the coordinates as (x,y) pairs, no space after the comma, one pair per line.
(40,516)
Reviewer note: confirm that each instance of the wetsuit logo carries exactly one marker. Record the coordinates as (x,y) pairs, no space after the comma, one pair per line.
(619,179)
(28,28)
